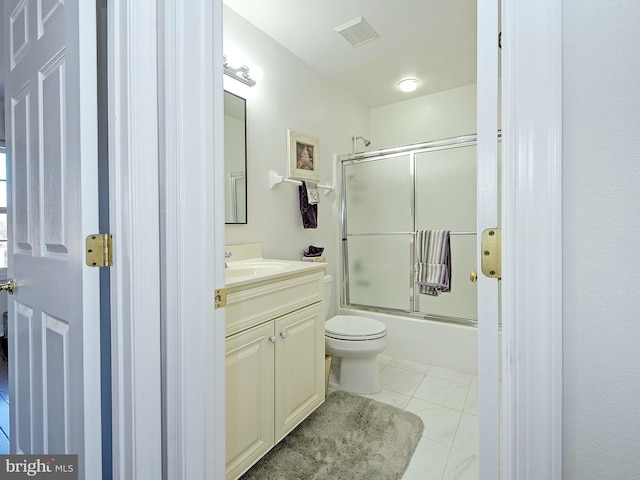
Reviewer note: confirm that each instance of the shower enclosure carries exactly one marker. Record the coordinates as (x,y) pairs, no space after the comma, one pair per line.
(387,196)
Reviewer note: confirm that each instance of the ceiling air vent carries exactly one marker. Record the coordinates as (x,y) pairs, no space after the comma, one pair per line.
(357,32)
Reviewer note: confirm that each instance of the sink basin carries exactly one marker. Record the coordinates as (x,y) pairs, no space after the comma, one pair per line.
(254,269)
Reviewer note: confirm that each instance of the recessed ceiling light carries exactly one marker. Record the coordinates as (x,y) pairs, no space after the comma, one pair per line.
(408,85)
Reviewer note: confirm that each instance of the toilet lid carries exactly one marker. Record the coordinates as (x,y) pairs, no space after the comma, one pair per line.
(353,327)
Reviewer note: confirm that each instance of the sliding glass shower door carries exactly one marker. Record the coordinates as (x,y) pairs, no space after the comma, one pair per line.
(445,199)
(387,198)
(378,205)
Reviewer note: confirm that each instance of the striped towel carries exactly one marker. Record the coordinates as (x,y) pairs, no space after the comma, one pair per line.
(433,261)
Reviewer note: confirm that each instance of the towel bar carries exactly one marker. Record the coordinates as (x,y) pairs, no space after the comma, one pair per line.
(275,180)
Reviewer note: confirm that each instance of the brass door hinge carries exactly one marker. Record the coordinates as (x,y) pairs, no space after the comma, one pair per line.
(492,253)
(100,250)
(220,298)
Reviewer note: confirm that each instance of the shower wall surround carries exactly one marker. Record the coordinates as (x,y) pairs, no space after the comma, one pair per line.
(446,114)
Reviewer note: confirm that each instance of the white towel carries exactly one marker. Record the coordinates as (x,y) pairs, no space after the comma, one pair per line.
(433,261)
(313,197)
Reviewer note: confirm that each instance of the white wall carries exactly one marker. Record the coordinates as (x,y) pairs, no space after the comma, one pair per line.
(291,95)
(601,158)
(441,115)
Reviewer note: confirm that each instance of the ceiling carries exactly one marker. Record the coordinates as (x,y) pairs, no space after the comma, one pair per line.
(431,40)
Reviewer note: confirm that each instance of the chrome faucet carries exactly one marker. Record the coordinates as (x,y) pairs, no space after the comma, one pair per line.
(226,255)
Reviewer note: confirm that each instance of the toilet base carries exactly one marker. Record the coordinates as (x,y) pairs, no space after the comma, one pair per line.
(357,375)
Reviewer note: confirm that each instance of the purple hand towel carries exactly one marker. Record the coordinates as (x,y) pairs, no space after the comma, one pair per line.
(308,211)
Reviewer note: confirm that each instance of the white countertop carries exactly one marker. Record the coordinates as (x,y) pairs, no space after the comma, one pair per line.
(243,272)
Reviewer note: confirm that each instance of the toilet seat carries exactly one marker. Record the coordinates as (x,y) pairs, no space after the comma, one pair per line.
(354,328)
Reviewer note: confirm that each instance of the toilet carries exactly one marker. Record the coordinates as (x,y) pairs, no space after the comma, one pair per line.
(356,342)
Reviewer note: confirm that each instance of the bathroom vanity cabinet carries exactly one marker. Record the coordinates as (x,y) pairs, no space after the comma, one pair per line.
(274,362)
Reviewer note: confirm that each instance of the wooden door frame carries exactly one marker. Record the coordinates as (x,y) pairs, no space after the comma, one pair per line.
(166,211)
(532,239)
(192,211)
(134,222)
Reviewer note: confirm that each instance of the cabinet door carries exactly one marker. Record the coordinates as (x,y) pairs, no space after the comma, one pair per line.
(249,396)
(299,367)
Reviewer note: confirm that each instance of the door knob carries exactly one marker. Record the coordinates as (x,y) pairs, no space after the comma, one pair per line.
(8,287)
(284,334)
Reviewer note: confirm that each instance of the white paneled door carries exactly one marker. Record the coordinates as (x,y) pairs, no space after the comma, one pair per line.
(50,98)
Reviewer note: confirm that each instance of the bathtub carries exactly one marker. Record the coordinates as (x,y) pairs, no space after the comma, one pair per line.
(446,345)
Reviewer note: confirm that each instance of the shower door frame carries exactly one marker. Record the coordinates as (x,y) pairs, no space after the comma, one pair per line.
(412,150)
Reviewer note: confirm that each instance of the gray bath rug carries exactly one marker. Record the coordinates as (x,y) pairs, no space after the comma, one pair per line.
(347,438)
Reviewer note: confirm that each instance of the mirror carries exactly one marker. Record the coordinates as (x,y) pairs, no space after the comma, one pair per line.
(235,158)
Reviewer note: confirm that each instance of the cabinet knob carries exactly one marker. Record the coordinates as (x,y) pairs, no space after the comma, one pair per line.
(284,334)
(272,339)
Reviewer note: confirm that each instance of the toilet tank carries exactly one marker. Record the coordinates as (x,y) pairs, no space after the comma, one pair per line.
(328,297)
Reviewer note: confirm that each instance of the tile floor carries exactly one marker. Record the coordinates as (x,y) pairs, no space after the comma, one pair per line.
(447,402)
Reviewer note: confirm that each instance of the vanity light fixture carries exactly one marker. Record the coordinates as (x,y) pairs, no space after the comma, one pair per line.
(408,85)
(241,72)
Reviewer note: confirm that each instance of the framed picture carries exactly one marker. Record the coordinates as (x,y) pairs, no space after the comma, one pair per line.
(302,152)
